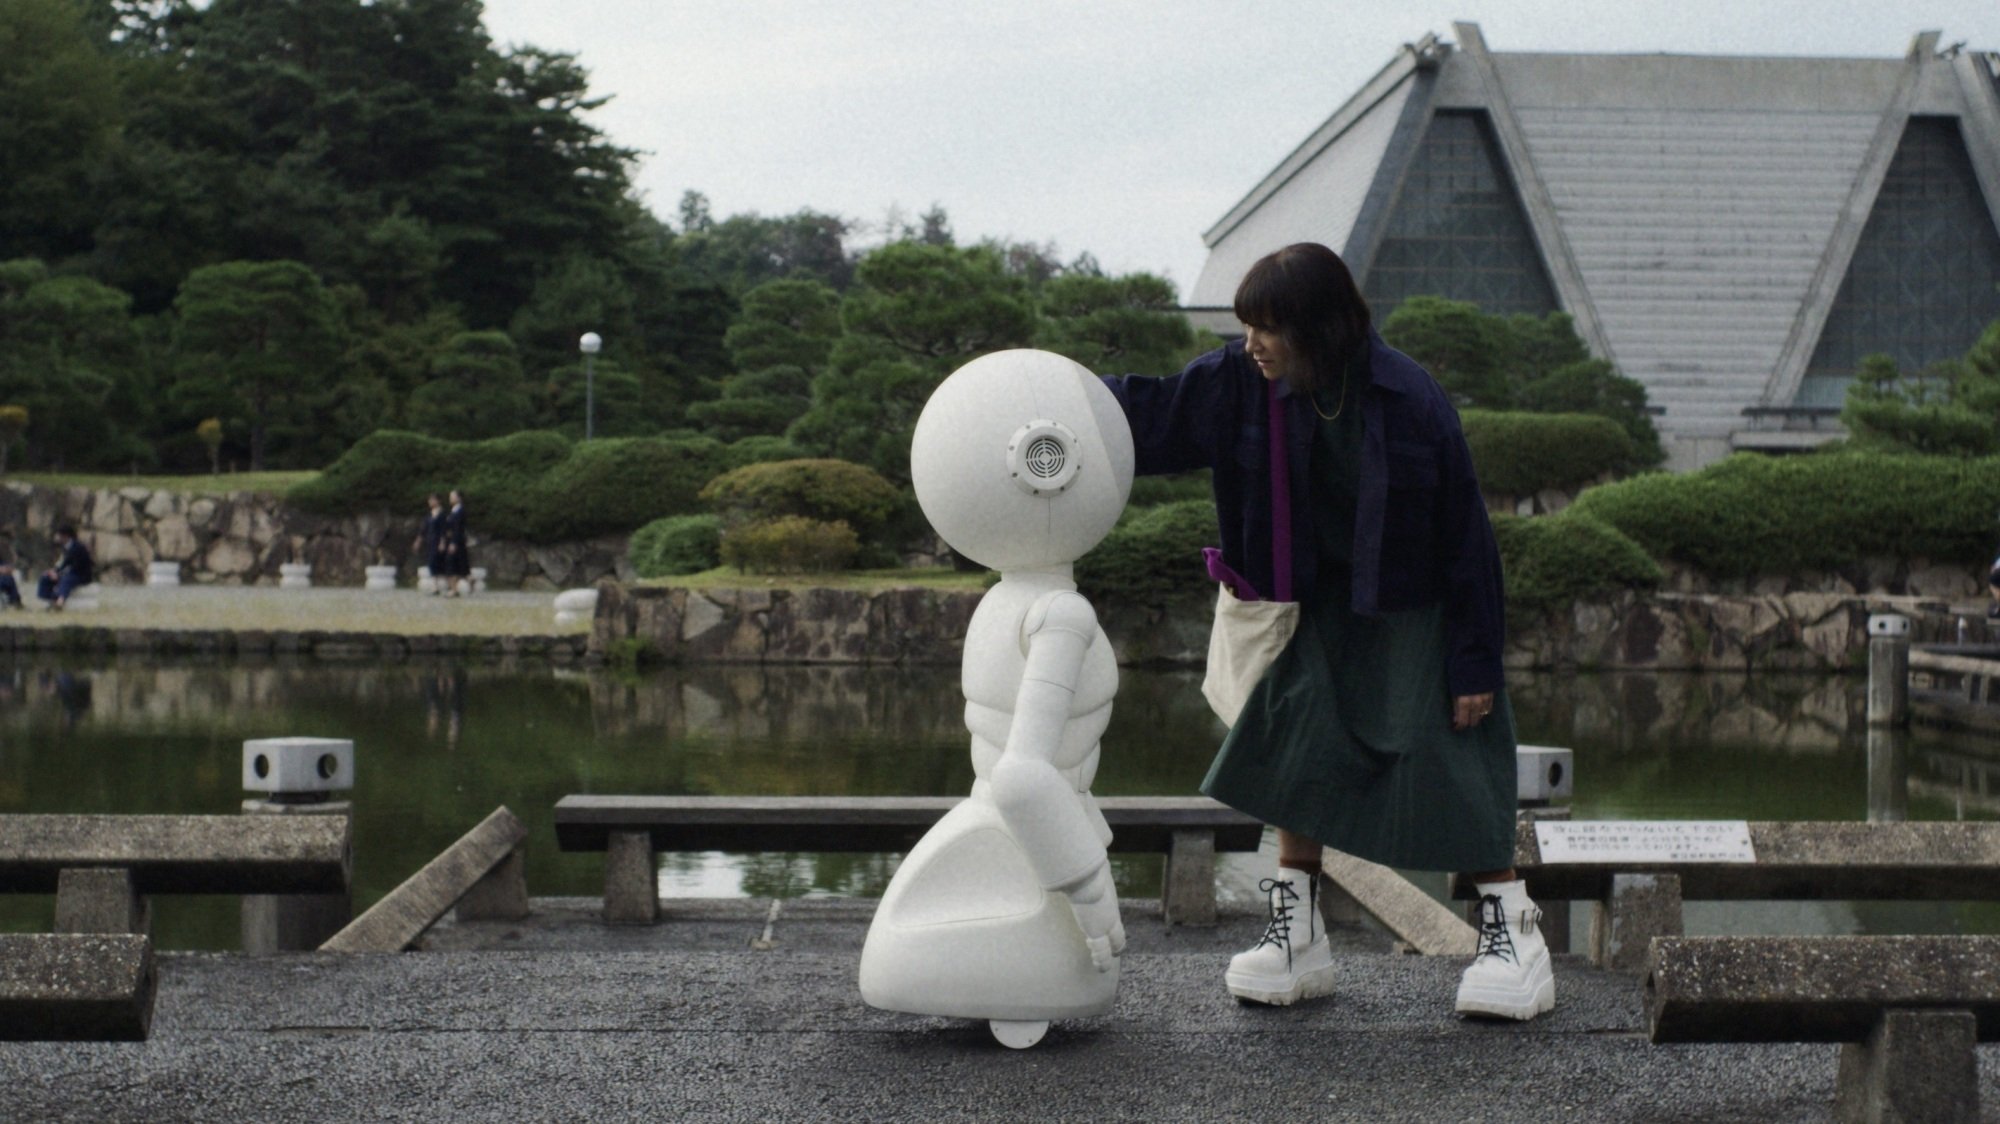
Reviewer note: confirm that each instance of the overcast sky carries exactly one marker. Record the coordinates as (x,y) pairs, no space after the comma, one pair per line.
(1121,127)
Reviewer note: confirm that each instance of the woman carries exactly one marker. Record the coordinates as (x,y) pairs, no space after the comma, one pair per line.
(429,543)
(457,561)
(1383,728)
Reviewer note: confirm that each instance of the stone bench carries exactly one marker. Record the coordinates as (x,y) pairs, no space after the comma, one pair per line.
(1795,861)
(1907,1010)
(76,987)
(634,829)
(102,867)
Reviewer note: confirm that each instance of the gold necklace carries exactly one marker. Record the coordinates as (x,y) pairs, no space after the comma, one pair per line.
(1337,407)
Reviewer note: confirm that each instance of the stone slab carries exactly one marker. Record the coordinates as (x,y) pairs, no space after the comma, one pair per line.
(631,879)
(1915,1066)
(395,922)
(179,854)
(1800,861)
(1411,915)
(1815,989)
(1639,908)
(75,987)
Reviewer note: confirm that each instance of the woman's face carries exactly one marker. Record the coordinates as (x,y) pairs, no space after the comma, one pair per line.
(1267,348)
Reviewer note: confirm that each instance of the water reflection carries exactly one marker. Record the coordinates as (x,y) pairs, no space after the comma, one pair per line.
(440,744)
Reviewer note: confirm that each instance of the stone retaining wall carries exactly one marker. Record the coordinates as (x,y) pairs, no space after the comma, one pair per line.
(241,538)
(1659,632)
(327,645)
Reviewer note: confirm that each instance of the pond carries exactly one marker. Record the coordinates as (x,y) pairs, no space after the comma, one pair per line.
(440,745)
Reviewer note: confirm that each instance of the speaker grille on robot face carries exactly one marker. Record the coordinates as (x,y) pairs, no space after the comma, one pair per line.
(1045,457)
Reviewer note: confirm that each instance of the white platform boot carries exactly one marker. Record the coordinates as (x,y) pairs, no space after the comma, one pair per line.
(1292,961)
(1510,976)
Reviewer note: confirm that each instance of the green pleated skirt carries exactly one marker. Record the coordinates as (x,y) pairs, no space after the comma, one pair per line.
(1347,740)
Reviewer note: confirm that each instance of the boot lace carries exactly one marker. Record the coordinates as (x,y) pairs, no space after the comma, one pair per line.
(1279,931)
(1495,938)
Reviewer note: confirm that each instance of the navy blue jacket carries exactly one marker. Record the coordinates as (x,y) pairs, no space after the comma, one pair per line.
(76,561)
(1421,535)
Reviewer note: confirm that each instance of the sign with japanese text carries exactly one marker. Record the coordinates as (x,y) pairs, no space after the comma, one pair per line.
(1644,841)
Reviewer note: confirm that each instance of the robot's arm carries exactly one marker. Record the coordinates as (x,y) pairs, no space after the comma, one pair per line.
(1040,807)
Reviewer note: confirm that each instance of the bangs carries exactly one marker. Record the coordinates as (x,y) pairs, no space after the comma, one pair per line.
(1266,299)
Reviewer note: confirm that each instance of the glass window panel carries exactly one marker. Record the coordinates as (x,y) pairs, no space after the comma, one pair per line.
(1457,229)
(1925,279)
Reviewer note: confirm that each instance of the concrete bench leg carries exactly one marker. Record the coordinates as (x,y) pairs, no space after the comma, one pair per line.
(500,895)
(1915,1065)
(1640,907)
(100,900)
(1187,895)
(631,879)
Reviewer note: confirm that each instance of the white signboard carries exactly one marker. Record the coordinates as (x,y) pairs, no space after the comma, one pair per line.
(1644,841)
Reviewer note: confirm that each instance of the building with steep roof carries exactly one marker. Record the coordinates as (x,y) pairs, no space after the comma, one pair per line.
(1735,233)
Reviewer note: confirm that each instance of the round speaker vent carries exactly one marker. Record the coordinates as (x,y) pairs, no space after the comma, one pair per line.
(1042,457)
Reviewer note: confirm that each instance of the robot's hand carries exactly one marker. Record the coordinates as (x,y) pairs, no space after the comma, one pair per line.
(1096,905)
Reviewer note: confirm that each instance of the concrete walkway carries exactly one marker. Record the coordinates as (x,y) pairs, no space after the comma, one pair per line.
(703,1018)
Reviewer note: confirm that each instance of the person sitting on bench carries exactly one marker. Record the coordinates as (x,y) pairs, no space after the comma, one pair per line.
(74,568)
(10,590)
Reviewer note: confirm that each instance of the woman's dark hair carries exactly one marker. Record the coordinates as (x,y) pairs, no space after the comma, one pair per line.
(1306,295)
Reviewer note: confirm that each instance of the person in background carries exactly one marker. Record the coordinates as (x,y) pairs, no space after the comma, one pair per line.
(1383,727)
(457,561)
(73,568)
(429,543)
(10,590)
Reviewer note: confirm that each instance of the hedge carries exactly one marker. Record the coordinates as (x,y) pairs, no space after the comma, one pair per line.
(534,486)
(789,544)
(1752,515)
(1554,560)
(678,544)
(1520,454)
(1153,556)
(829,491)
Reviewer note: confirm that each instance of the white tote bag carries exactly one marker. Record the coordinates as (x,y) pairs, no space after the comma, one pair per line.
(1247,637)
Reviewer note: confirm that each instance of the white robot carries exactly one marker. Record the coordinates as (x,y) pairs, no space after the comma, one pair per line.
(1005,910)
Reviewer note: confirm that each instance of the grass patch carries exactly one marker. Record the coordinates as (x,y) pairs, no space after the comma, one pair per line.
(263,483)
(871,581)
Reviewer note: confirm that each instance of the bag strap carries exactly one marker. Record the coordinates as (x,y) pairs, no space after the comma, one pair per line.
(1281,498)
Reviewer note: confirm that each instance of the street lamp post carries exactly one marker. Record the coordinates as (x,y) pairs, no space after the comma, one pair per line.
(590,344)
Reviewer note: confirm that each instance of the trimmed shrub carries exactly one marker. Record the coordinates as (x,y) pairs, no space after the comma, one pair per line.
(678,544)
(1152,491)
(789,544)
(829,491)
(755,450)
(1553,560)
(534,486)
(1519,454)
(1153,556)
(1753,515)
(618,484)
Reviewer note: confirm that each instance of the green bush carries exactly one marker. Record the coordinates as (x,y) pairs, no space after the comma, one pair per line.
(678,544)
(763,447)
(1753,515)
(1152,491)
(1153,556)
(533,486)
(789,544)
(828,491)
(1553,560)
(1519,454)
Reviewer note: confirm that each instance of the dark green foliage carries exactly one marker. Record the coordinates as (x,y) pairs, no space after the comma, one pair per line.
(1551,561)
(1753,515)
(1519,454)
(824,490)
(1115,325)
(1153,556)
(60,113)
(678,544)
(789,544)
(1152,491)
(475,390)
(1520,363)
(1949,409)
(754,450)
(619,484)
(533,486)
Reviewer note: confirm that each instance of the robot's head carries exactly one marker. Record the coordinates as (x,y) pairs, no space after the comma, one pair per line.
(1022,459)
